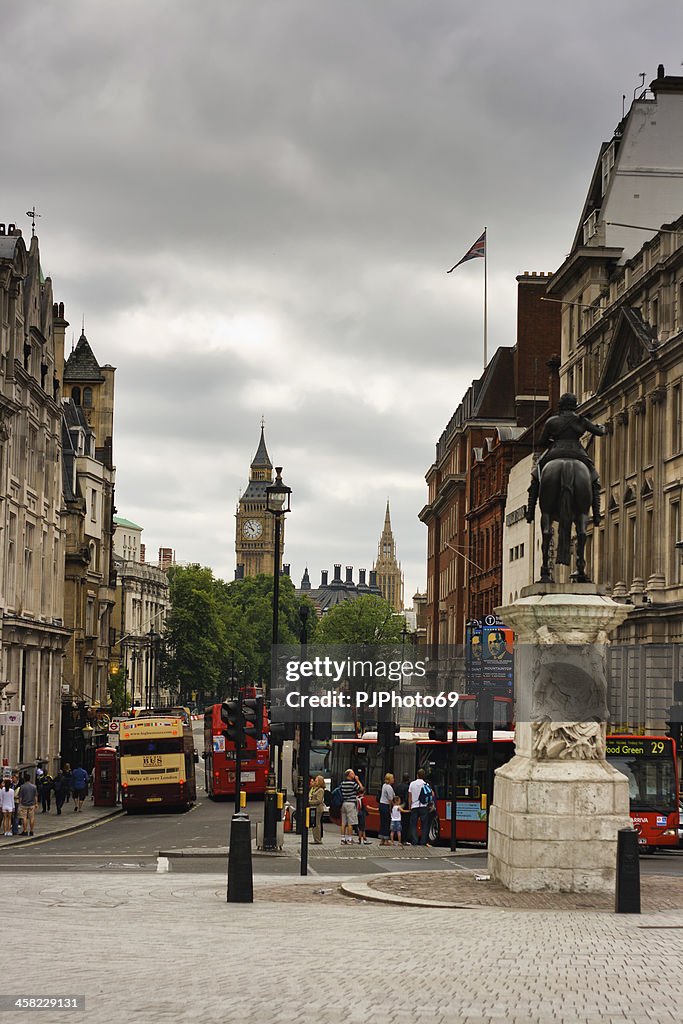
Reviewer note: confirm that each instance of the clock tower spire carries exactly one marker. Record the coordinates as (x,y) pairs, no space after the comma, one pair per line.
(254,532)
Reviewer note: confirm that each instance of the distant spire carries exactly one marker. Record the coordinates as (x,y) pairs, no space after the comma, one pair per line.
(32,214)
(262,458)
(387,519)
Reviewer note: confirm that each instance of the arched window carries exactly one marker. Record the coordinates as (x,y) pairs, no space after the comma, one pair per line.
(76,395)
(87,398)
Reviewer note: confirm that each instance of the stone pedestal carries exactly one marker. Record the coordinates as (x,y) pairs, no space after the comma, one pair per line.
(558,804)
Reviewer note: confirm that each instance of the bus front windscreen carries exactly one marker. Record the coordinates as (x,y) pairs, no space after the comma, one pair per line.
(651,782)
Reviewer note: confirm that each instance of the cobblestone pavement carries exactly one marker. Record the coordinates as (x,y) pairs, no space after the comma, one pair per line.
(658,892)
(155,949)
(51,823)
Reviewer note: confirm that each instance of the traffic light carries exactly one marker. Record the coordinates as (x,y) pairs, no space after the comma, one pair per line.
(675,725)
(387,734)
(322,730)
(231,714)
(252,715)
(438,731)
(281,727)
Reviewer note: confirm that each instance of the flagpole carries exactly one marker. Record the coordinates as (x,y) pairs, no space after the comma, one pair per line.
(485,299)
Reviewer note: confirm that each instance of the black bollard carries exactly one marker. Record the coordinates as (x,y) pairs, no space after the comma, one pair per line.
(628,872)
(240,877)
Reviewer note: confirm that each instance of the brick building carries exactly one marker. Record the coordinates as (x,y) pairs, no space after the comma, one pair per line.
(468,480)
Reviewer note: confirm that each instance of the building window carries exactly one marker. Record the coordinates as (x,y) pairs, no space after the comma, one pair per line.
(28,562)
(76,395)
(675,535)
(676,413)
(87,398)
(93,506)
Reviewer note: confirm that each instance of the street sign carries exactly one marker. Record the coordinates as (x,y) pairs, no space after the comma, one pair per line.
(10,717)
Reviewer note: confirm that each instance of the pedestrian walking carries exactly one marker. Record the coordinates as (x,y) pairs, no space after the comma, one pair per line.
(79,784)
(316,801)
(351,787)
(386,799)
(67,782)
(60,787)
(419,799)
(15,817)
(7,806)
(395,823)
(45,787)
(28,801)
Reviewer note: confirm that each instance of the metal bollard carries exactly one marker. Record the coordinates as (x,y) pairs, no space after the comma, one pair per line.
(627,899)
(240,875)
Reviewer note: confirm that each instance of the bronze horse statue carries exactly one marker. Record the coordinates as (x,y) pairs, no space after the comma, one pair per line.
(566,493)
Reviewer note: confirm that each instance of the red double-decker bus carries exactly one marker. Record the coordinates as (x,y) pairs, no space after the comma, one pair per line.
(219,756)
(649,764)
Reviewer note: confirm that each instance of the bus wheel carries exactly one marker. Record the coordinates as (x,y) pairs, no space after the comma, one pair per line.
(434,830)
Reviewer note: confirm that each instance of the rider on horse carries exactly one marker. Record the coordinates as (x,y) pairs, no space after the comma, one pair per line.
(562,433)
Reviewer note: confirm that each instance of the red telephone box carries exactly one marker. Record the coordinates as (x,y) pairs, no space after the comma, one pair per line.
(105,777)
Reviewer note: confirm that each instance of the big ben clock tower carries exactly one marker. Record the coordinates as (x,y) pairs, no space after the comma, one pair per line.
(255,527)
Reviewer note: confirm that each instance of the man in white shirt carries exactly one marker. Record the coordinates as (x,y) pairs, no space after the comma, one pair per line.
(419,809)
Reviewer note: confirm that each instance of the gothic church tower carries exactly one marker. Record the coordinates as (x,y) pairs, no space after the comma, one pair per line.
(388,569)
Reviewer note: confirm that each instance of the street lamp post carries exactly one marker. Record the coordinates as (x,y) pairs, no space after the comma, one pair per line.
(278,497)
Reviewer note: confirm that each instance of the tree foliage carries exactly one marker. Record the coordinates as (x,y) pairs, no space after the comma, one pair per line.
(364,620)
(218,632)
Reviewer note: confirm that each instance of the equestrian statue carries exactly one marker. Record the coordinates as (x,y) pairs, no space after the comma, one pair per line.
(567,483)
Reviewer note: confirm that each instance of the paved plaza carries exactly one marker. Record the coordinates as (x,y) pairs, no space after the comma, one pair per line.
(163,948)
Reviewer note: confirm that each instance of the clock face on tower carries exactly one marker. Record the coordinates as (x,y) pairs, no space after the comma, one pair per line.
(252,529)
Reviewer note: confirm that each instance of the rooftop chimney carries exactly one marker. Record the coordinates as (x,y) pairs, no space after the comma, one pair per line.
(337,573)
(361,578)
(373,579)
(349,574)
(323,578)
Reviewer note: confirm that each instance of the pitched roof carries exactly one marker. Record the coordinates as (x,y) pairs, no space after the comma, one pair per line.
(262,458)
(81,364)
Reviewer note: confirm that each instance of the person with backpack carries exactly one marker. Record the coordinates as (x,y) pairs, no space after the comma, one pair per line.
(420,796)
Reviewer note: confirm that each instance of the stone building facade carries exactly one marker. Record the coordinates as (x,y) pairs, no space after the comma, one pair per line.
(89,473)
(32,537)
(621,289)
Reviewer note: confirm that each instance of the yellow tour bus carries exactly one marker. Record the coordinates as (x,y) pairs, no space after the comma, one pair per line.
(157,759)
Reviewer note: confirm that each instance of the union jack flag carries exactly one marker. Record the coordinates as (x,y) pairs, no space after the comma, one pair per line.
(478,249)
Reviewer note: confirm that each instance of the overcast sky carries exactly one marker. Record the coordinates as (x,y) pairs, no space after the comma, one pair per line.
(254,204)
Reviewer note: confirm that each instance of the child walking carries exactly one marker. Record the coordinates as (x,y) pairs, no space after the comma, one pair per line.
(396,821)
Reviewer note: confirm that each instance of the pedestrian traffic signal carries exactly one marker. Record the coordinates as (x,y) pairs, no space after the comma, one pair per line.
(231,714)
(252,715)
(388,734)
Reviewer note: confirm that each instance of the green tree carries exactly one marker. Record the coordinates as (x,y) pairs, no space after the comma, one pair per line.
(364,620)
(194,660)
(214,627)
